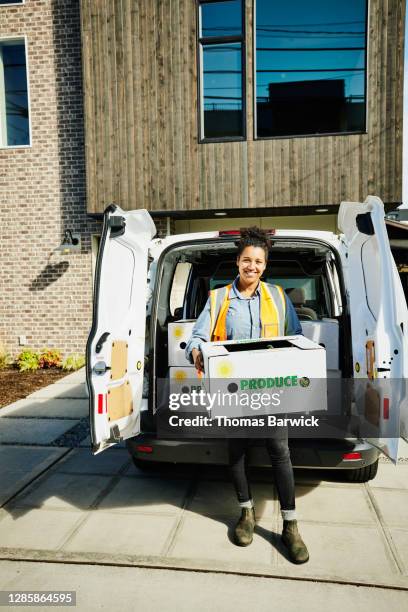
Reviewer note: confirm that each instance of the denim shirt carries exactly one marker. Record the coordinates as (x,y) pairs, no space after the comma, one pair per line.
(243,320)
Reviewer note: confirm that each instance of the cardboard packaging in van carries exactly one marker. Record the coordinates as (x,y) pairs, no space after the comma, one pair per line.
(179,333)
(292,368)
(184,379)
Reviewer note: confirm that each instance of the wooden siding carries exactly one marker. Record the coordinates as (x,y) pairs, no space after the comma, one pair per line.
(142,150)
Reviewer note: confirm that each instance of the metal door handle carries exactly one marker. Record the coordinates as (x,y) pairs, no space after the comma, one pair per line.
(101,342)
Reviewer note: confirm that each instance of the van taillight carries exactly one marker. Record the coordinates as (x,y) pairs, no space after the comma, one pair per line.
(386,408)
(142,448)
(100,403)
(351,456)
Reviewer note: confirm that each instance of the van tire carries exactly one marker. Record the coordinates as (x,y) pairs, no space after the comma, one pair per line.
(363,474)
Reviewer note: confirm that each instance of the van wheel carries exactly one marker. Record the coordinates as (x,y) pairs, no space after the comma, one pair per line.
(144,466)
(363,474)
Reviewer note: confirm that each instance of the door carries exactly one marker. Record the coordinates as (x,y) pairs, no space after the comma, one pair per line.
(379,322)
(116,344)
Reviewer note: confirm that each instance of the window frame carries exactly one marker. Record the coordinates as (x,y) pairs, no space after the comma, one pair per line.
(13,3)
(319,134)
(22,38)
(214,40)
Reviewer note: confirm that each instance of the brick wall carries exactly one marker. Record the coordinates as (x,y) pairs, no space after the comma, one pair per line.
(44,295)
(165,226)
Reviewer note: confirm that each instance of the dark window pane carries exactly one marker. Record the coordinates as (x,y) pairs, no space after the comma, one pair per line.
(222,90)
(310,67)
(221,19)
(11,1)
(15,124)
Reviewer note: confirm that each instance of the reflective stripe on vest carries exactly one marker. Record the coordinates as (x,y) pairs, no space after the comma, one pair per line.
(272,311)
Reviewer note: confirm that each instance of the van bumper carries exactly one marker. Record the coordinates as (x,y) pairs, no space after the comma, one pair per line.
(310,453)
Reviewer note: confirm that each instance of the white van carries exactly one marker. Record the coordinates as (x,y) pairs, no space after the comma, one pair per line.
(349,298)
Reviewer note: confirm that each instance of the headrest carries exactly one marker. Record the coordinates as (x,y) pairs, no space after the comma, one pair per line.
(297,295)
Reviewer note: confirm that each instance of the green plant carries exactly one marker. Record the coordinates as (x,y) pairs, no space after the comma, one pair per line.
(28,360)
(5,358)
(50,358)
(73,362)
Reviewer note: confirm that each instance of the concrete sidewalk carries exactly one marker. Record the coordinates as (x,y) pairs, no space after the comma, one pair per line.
(133,588)
(84,509)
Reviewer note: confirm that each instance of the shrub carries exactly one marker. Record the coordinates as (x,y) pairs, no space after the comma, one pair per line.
(5,358)
(50,358)
(28,360)
(73,362)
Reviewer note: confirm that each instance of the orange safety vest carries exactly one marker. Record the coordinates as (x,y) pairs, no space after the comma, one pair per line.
(272,311)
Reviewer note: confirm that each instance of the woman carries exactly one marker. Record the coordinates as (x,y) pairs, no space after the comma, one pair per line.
(250,308)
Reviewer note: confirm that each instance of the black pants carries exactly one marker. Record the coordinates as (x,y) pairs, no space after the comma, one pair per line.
(282,468)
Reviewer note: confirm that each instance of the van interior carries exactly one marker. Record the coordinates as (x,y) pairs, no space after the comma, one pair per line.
(305,268)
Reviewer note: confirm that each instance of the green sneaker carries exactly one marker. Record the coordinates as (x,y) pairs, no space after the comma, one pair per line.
(244,530)
(296,547)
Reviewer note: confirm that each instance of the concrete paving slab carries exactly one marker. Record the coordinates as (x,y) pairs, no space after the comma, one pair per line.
(393,505)
(391,476)
(37,529)
(148,495)
(211,539)
(33,431)
(82,461)
(337,505)
(86,443)
(400,539)
(47,408)
(120,588)
(214,498)
(76,377)
(357,553)
(64,491)
(18,466)
(70,390)
(219,499)
(120,534)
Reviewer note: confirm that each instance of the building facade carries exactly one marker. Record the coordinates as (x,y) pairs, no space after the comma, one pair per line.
(210,114)
(206,105)
(45,295)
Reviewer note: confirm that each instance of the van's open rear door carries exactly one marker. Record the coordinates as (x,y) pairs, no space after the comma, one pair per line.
(115,349)
(379,319)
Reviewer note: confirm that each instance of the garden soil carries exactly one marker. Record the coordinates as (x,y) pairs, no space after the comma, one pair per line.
(15,385)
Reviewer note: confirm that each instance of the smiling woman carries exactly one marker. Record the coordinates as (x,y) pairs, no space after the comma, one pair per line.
(250,308)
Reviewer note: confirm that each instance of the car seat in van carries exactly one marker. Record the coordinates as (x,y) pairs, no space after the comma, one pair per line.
(297,296)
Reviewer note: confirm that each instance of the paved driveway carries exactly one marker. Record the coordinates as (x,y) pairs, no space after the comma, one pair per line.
(61,503)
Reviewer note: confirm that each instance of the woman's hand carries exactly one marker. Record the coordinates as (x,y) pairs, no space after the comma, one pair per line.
(198,360)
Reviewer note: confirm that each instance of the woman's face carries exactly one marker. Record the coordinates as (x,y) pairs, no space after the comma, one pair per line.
(251,264)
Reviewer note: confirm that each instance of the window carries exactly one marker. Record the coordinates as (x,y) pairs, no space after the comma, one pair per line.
(310,67)
(178,288)
(12,1)
(14,115)
(221,69)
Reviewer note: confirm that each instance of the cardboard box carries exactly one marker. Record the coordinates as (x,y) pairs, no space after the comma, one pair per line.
(179,334)
(292,367)
(326,333)
(184,380)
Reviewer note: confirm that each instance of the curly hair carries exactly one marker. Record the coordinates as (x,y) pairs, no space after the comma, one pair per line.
(253,236)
